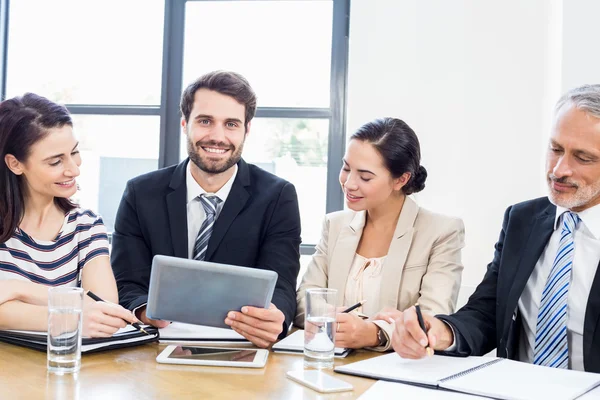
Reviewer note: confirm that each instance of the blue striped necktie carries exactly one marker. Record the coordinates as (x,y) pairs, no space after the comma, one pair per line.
(210,209)
(551,346)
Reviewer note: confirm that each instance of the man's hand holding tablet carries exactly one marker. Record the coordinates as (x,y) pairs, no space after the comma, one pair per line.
(261,326)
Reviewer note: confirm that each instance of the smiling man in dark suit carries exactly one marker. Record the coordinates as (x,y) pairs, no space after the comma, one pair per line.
(213,206)
(539,301)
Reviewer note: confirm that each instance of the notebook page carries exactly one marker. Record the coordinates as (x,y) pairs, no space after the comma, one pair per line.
(426,371)
(513,380)
(180,331)
(391,390)
(295,343)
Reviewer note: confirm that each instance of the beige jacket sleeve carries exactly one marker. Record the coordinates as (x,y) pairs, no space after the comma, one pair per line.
(387,329)
(316,275)
(441,282)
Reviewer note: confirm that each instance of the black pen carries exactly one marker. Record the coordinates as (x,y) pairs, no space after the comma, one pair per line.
(422,325)
(134,324)
(354,307)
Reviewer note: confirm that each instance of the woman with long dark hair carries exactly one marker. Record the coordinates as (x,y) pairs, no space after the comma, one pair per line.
(384,249)
(45,239)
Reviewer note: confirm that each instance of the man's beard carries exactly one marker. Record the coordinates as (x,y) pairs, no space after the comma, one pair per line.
(214,167)
(582,196)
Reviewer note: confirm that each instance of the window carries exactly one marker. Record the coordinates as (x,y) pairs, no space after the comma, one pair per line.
(284,49)
(106,77)
(113,150)
(121,76)
(77,52)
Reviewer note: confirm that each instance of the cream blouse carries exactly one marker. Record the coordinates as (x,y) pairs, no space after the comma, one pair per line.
(364,283)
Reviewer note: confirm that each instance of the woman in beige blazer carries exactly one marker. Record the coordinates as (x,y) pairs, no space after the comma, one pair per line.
(384,249)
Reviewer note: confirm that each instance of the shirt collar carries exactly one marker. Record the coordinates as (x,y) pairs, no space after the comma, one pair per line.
(590,219)
(194,189)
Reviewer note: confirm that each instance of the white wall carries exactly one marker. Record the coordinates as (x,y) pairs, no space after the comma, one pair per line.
(581,32)
(476,80)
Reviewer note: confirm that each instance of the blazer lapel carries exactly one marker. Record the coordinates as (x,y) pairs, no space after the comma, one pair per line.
(592,318)
(343,254)
(397,254)
(176,208)
(236,200)
(541,230)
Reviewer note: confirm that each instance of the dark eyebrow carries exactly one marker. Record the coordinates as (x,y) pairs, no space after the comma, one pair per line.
(203,116)
(360,170)
(61,154)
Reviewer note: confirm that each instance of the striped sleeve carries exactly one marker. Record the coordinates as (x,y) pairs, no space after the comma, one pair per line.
(92,237)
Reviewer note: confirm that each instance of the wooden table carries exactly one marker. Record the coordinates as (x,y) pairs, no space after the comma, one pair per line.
(133,373)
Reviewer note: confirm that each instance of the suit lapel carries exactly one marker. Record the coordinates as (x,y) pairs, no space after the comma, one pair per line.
(539,235)
(343,254)
(177,210)
(397,254)
(236,200)
(592,318)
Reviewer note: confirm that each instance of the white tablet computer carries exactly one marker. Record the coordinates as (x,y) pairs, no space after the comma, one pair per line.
(214,356)
(202,293)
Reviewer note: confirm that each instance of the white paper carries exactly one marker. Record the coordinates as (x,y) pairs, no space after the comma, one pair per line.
(392,390)
(178,331)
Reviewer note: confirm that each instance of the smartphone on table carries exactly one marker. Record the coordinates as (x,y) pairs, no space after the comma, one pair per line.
(319,381)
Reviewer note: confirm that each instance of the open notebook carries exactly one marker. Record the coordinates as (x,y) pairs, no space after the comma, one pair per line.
(485,376)
(178,332)
(294,343)
(125,337)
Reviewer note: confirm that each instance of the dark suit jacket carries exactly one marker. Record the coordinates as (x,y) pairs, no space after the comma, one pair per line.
(259,226)
(491,318)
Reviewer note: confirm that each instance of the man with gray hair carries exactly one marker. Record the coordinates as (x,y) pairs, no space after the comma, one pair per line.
(539,301)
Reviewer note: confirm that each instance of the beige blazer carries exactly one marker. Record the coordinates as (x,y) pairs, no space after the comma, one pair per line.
(423,263)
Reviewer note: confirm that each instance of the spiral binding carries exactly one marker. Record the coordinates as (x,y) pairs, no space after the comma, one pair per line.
(468,371)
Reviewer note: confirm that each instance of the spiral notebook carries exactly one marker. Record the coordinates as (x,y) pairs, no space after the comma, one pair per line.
(497,378)
(125,337)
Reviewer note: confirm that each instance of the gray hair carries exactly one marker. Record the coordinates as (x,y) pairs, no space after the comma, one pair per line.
(585,98)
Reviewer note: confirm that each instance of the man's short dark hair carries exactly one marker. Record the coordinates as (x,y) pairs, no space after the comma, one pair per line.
(225,82)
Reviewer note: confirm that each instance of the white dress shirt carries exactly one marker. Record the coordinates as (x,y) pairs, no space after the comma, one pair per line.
(195,210)
(585,263)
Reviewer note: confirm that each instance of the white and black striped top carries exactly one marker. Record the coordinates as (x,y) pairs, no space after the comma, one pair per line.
(57,262)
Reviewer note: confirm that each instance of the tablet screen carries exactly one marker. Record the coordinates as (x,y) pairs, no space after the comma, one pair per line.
(212,354)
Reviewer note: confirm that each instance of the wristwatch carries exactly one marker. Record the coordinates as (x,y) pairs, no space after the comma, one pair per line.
(382,337)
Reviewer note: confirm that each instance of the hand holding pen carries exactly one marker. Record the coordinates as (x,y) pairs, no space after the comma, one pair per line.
(417,335)
(428,349)
(103,319)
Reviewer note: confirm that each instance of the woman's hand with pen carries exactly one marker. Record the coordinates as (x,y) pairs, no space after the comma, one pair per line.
(353,332)
(102,319)
(410,340)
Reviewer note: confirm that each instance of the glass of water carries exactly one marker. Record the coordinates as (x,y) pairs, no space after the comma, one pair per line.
(319,328)
(65,306)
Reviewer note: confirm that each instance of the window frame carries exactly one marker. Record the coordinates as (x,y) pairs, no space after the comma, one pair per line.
(171,84)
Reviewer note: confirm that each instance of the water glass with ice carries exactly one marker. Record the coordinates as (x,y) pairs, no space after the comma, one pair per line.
(65,305)
(319,328)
